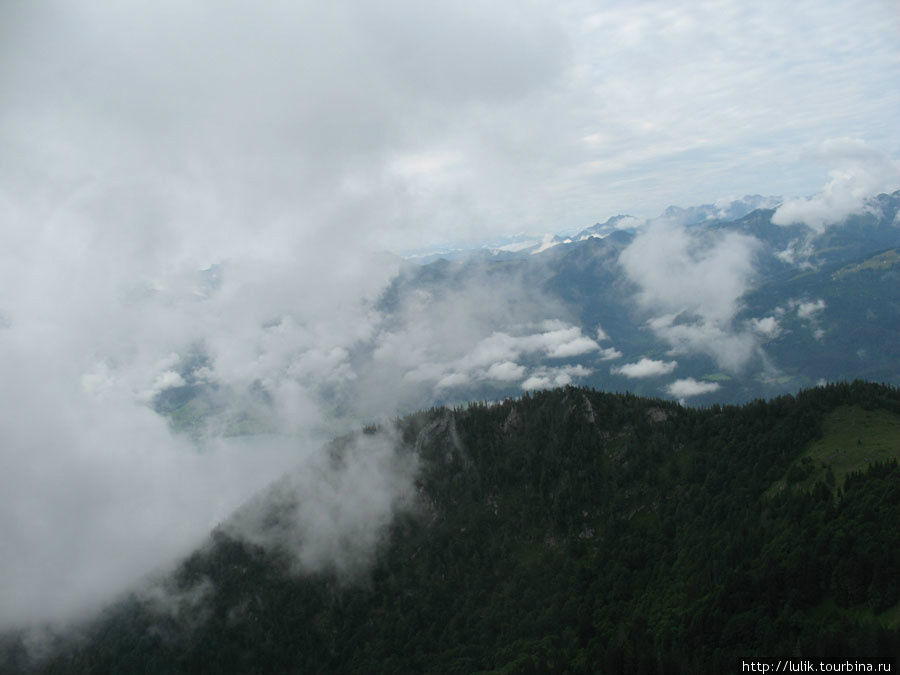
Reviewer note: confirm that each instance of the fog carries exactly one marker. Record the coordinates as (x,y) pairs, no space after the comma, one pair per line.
(203,195)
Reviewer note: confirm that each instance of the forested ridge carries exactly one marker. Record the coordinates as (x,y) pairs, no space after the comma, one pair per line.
(566,531)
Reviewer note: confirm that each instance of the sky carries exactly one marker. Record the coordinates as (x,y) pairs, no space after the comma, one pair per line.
(217,176)
(408,125)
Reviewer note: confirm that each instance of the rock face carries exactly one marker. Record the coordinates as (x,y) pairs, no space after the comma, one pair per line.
(657,415)
(512,422)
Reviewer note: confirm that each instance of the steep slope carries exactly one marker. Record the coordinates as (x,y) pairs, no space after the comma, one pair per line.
(568,531)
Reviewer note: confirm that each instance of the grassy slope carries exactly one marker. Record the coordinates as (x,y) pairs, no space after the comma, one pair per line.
(881,261)
(852,439)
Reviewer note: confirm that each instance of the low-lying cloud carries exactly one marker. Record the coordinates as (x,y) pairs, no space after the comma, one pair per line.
(331,512)
(190,205)
(806,310)
(692,282)
(860,172)
(191,194)
(767,327)
(484,331)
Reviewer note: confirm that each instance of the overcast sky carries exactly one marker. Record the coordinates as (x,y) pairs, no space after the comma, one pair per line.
(142,142)
(409,123)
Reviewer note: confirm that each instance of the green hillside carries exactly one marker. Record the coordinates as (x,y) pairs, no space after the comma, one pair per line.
(882,261)
(566,531)
(853,438)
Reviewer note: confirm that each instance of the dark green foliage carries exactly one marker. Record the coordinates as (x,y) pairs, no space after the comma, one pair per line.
(568,531)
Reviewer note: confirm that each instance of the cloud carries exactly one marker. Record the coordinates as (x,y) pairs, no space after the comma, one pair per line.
(645,368)
(574,347)
(560,342)
(609,353)
(187,193)
(767,327)
(165,380)
(191,203)
(695,273)
(628,222)
(692,282)
(486,330)
(798,252)
(452,380)
(505,371)
(331,512)
(693,126)
(861,172)
(806,310)
(544,378)
(690,387)
(537,382)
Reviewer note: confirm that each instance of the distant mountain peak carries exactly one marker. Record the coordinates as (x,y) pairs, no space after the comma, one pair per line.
(725,209)
(612,224)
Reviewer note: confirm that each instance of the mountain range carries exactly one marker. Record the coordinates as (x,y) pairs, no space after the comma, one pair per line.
(694,305)
(808,306)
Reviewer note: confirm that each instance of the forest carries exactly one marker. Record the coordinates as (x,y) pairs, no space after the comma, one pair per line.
(568,531)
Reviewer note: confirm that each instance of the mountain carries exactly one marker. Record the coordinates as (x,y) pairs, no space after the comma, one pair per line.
(811,306)
(718,311)
(566,531)
(612,224)
(724,210)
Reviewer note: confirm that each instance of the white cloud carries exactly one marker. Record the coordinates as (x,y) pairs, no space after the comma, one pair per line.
(683,272)
(797,252)
(806,310)
(505,371)
(767,327)
(119,180)
(693,282)
(333,515)
(610,353)
(183,177)
(645,368)
(537,382)
(862,172)
(690,387)
(95,382)
(424,354)
(452,380)
(574,347)
(559,340)
(546,377)
(628,222)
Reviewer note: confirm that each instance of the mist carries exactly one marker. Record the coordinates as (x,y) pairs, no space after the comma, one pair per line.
(198,196)
(690,284)
(204,196)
